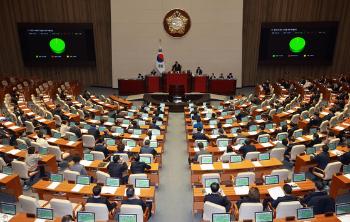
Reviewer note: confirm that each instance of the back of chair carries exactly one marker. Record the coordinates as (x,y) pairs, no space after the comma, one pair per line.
(2,163)
(333,121)
(250,175)
(29,127)
(133,177)
(132,209)
(28,204)
(287,209)
(283,174)
(58,120)
(331,169)
(324,126)
(98,155)
(101,177)
(296,150)
(55,150)
(247,210)
(88,141)
(226,156)
(20,168)
(278,153)
(70,175)
(295,118)
(61,207)
(210,209)
(297,131)
(252,155)
(100,210)
(210,176)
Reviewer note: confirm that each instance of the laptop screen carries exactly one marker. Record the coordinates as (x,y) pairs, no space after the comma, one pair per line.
(127,218)
(207,159)
(88,156)
(110,142)
(208,182)
(137,131)
(298,134)
(112,182)
(221,217)
(142,183)
(85,216)
(264,156)
(145,159)
(153,143)
(235,159)
(7,170)
(342,208)
(131,143)
(7,208)
(272,179)
(332,146)
(297,177)
(346,169)
(269,126)
(241,181)
(223,143)
(54,177)
(43,150)
(44,213)
(57,135)
(253,128)
(265,216)
(282,136)
(264,139)
(83,180)
(310,150)
(305,213)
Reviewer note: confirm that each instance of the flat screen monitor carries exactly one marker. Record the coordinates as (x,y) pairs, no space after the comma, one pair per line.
(265,216)
(8,208)
(223,143)
(241,181)
(221,217)
(83,180)
(55,177)
(235,158)
(264,156)
(44,213)
(7,170)
(88,156)
(310,150)
(209,181)
(271,179)
(305,213)
(127,218)
(346,169)
(85,216)
(142,183)
(342,208)
(112,182)
(131,143)
(110,142)
(146,159)
(264,139)
(206,159)
(298,177)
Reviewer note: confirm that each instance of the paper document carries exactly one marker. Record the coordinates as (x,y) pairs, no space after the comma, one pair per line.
(339,128)
(344,218)
(71,143)
(2,176)
(265,144)
(13,152)
(243,190)
(226,166)
(85,162)
(84,131)
(196,149)
(256,163)
(128,148)
(42,120)
(294,186)
(13,127)
(214,136)
(207,167)
(276,192)
(108,190)
(347,176)
(253,133)
(53,185)
(30,113)
(300,139)
(324,113)
(135,136)
(52,140)
(8,216)
(226,125)
(7,123)
(236,147)
(39,220)
(137,191)
(337,152)
(77,188)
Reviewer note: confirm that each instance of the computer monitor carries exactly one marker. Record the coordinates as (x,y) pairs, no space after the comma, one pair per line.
(224,114)
(55,177)
(119,130)
(146,159)
(241,141)
(313,131)
(72,124)
(241,181)
(215,132)
(269,126)
(130,114)
(144,115)
(142,123)
(229,121)
(142,183)
(110,142)
(126,121)
(87,126)
(209,181)
(8,208)
(237,112)
(72,138)
(57,135)
(342,208)
(43,150)
(283,123)
(111,120)
(235,158)
(305,213)
(213,122)
(223,143)
(155,132)
(7,170)
(310,150)
(332,146)
(297,134)
(206,159)
(88,156)
(265,216)
(101,128)
(159,123)
(245,119)
(137,132)
(44,213)
(83,180)
(298,177)
(112,182)
(234,129)
(271,179)
(221,217)
(282,136)
(258,117)
(253,128)
(98,118)
(22,146)
(153,143)
(264,156)
(346,169)
(131,143)
(264,139)
(205,143)
(85,216)
(127,218)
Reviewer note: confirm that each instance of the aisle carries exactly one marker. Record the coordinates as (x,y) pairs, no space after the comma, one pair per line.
(174,197)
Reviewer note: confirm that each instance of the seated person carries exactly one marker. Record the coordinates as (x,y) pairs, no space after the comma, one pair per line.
(150,136)
(198,124)
(67,218)
(195,116)
(316,140)
(199,135)
(200,152)
(76,131)
(135,200)
(322,159)
(121,148)
(32,159)
(216,197)
(101,146)
(154,125)
(96,198)
(94,131)
(345,158)
(41,141)
(117,167)
(248,147)
(137,166)
(253,197)
(320,191)
(147,149)
(77,167)
(287,198)
(64,128)
(221,134)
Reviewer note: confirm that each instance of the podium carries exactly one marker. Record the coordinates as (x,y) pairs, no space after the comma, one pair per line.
(153,84)
(200,84)
(222,86)
(131,86)
(176,79)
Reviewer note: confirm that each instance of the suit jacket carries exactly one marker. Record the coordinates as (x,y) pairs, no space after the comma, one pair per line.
(116,169)
(102,200)
(286,198)
(100,147)
(93,131)
(218,199)
(246,200)
(75,130)
(322,160)
(147,150)
(247,148)
(139,167)
(199,136)
(308,197)
(328,116)
(203,151)
(345,158)
(322,204)
(135,202)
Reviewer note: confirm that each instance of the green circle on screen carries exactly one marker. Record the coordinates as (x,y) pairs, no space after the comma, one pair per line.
(297,44)
(57,45)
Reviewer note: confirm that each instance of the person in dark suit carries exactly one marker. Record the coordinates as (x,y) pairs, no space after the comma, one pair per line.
(248,147)
(135,200)
(199,135)
(199,123)
(200,152)
(322,159)
(318,192)
(94,132)
(101,147)
(137,166)
(176,67)
(121,148)
(329,115)
(288,197)
(253,197)
(216,197)
(154,125)
(221,134)
(147,149)
(76,131)
(293,127)
(58,110)
(96,198)
(315,120)
(199,71)
(195,115)
(316,140)
(345,158)
(212,76)
(116,169)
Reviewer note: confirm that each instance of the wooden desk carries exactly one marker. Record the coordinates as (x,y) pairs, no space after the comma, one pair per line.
(122,101)
(338,185)
(21,217)
(13,185)
(318,218)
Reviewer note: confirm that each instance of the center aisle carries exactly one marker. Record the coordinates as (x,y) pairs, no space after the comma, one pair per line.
(174,197)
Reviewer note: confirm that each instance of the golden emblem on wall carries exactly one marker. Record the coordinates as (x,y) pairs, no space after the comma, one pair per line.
(177,23)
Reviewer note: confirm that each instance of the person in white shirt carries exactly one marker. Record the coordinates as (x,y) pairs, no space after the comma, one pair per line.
(41,141)
(64,128)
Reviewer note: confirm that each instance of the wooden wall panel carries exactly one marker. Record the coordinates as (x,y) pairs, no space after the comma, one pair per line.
(257,11)
(97,12)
